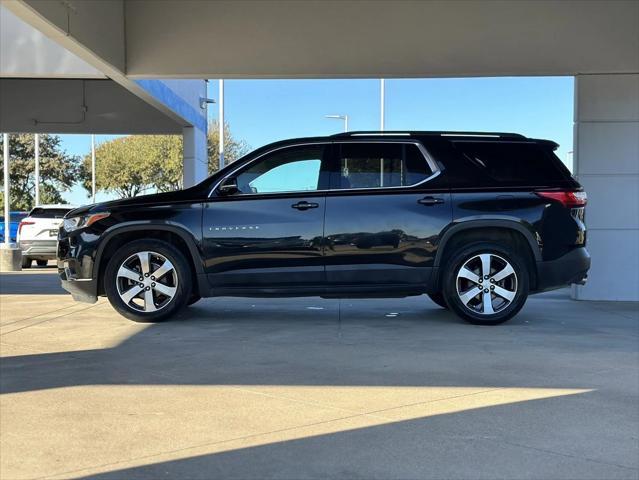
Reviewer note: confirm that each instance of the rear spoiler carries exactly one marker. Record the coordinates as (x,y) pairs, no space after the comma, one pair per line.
(548,143)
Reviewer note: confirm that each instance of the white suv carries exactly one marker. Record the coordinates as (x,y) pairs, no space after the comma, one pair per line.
(38,233)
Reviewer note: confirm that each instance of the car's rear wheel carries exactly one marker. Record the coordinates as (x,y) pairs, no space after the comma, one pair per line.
(148,281)
(26,262)
(486,283)
(438,298)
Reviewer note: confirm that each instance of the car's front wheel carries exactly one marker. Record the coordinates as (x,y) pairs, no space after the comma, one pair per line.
(438,298)
(486,283)
(148,281)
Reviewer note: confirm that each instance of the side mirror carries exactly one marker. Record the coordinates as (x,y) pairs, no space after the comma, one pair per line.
(228,186)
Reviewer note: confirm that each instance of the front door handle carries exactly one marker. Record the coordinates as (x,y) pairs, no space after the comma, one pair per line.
(428,201)
(304,205)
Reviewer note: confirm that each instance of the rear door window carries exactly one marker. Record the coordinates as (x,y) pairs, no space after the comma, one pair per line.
(378,165)
(514,163)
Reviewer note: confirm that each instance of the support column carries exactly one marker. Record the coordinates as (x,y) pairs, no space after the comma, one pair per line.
(606,163)
(195,156)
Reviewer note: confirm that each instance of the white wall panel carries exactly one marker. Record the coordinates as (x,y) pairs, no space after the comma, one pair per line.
(614,274)
(607,165)
(606,148)
(608,98)
(613,201)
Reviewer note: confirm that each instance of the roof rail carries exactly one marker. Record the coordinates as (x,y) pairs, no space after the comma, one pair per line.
(482,134)
(373,133)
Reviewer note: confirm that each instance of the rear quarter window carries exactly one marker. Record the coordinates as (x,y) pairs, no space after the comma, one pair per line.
(514,163)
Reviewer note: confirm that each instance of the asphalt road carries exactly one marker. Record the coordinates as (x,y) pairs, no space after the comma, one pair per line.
(312,388)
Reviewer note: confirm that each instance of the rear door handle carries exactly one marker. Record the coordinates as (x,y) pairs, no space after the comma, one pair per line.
(304,205)
(428,201)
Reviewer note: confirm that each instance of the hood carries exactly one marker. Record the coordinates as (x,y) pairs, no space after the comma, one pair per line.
(152,199)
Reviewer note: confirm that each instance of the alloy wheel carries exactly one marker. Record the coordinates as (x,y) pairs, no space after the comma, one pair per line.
(486,284)
(146,281)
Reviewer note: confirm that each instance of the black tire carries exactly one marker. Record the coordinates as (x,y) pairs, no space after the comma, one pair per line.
(194,299)
(26,262)
(182,289)
(42,263)
(438,298)
(519,284)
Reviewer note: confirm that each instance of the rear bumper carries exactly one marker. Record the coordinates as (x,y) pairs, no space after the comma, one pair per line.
(570,268)
(43,249)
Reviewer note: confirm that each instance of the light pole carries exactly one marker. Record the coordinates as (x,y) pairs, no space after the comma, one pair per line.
(10,253)
(92,168)
(570,160)
(221,123)
(340,117)
(36,140)
(7,220)
(382,101)
(345,118)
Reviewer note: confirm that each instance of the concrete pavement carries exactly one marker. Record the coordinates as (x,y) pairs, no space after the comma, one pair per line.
(312,388)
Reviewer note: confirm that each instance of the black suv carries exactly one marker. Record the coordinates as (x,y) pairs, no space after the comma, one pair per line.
(475,220)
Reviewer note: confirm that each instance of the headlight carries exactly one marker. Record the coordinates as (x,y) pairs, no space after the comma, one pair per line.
(82,221)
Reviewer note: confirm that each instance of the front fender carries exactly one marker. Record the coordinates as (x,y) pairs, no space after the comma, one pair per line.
(145,226)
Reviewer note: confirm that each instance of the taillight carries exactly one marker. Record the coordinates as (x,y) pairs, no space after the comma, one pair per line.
(567,198)
(22,224)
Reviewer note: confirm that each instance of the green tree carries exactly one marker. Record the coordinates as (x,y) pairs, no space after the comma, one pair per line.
(165,161)
(58,171)
(121,167)
(233,148)
(129,166)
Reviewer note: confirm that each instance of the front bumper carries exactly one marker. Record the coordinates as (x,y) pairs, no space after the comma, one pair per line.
(81,289)
(570,268)
(75,256)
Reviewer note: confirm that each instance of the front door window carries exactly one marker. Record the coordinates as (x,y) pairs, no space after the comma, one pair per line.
(294,169)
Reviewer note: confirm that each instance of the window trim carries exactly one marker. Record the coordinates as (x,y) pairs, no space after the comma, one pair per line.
(429,161)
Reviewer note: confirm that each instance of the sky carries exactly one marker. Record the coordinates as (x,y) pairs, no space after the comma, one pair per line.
(264,111)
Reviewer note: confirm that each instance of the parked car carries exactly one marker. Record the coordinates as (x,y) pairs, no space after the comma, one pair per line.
(38,233)
(14,219)
(477,221)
